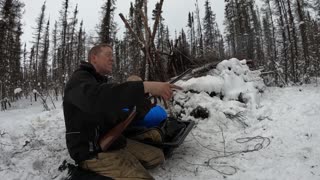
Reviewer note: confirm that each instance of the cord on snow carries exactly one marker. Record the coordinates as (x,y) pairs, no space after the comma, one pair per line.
(264,143)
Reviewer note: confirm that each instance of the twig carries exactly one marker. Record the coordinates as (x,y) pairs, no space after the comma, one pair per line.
(44,101)
(2,133)
(239,117)
(266,73)
(223,140)
(20,152)
(52,101)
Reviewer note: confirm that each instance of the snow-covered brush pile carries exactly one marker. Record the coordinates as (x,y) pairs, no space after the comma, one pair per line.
(219,103)
(231,88)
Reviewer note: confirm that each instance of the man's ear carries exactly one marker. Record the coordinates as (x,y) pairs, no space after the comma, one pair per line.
(93,58)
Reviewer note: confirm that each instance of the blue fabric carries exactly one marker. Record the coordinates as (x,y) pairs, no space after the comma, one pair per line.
(153,118)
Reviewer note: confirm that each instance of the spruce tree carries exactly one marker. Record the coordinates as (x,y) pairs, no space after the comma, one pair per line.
(10,47)
(107,26)
(192,33)
(44,57)
(38,38)
(211,32)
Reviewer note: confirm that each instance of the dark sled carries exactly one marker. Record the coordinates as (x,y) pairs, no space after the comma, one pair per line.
(174,132)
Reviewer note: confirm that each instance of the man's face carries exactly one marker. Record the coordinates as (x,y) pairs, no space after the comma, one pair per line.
(103,61)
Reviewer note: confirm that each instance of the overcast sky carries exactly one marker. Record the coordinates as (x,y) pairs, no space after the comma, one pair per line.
(175,12)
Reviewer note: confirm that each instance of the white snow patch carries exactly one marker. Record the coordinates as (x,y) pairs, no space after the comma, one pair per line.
(17,90)
(206,83)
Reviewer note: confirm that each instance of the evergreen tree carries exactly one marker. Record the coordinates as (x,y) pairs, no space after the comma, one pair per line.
(62,46)
(16,69)
(257,34)
(314,39)
(107,27)
(291,29)
(270,42)
(230,29)
(24,64)
(135,55)
(81,45)
(284,59)
(160,40)
(303,27)
(192,33)
(181,60)
(212,36)
(199,38)
(209,24)
(38,37)
(44,57)
(10,47)
(71,47)
(55,63)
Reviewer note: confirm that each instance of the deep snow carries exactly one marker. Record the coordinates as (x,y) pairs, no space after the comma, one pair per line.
(282,124)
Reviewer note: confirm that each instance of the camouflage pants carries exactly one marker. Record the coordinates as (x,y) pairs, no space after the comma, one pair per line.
(127,163)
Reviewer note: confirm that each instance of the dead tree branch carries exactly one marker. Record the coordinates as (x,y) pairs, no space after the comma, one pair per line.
(153,65)
(156,23)
(131,30)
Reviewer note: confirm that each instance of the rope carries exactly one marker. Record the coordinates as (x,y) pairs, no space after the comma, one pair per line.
(264,143)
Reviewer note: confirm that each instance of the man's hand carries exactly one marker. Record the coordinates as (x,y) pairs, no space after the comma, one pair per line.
(163,89)
(143,109)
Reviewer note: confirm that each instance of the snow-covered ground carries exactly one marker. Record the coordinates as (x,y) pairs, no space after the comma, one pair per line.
(32,144)
(289,117)
(273,134)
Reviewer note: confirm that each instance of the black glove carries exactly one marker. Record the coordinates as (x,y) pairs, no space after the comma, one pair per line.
(143,109)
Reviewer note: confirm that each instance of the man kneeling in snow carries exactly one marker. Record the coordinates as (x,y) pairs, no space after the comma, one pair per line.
(91,109)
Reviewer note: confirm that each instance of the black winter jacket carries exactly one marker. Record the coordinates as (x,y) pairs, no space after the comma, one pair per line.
(91,108)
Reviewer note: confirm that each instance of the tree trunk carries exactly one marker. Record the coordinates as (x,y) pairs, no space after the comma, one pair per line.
(304,38)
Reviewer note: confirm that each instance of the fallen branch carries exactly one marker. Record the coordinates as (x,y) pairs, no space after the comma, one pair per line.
(223,140)
(131,30)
